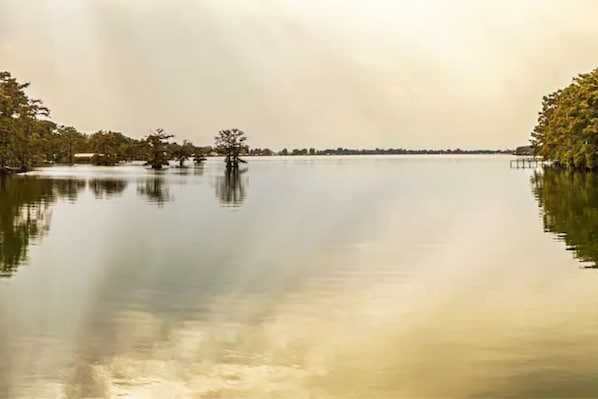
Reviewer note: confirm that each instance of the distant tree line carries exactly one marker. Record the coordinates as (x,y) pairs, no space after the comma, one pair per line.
(28,138)
(376,151)
(567,128)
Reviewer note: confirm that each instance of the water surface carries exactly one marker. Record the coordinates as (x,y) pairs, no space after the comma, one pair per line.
(328,277)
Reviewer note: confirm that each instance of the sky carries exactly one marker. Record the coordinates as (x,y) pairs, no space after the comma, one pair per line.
(302,73)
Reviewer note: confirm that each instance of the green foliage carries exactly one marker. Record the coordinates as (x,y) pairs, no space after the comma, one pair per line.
(28,138)
(110,147)
(567,128)
(157,155)
(21,125)
(182,153)
(69,141)
(569,200)
(231,143)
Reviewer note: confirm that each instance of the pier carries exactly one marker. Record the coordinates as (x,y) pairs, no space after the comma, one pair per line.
(526,163)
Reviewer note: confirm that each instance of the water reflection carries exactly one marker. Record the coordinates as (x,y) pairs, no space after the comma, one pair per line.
(182,170)
(569,201)
(155,190)
(198,170)
(380,295)
(230,187)
(107,188)
(25,214)
(68,189)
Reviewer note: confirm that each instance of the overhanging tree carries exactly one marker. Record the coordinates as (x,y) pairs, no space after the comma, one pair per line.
(567,128)
(19,121)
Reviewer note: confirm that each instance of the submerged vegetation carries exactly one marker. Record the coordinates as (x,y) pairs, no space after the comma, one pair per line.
(567,128)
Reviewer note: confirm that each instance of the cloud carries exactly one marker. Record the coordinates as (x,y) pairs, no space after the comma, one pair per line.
(327,74)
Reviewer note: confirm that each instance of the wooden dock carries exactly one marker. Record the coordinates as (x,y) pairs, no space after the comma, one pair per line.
(526,163)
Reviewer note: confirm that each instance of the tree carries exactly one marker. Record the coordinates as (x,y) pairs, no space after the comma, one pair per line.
(198,157)
(231,144)
(19,121)
(183,152)
(28,138)
(567,128)
(157,155)
(70,140)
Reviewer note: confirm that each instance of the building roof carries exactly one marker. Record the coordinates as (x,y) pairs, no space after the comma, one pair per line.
(85,155)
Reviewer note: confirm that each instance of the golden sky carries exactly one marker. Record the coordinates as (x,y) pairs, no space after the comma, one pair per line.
(302,73)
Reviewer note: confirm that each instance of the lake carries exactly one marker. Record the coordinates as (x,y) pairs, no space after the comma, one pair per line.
(303,277)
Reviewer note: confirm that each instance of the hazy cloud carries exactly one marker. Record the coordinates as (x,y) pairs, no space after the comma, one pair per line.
(370,73)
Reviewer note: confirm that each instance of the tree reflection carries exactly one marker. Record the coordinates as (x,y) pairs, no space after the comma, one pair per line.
(198,169)
(68,188)
(230,188)
(181,170)
(107,188)
(569,201)
(25,214)
(155,190)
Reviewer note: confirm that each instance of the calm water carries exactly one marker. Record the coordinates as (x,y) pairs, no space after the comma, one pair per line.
(378,277)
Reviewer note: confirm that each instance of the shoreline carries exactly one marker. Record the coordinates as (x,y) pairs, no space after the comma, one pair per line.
(8,171)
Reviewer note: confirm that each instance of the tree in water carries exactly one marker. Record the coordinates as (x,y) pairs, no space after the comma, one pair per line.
(231,144)
(157,155)
(198,157)
(183,152)
(28,138)
(109,147)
